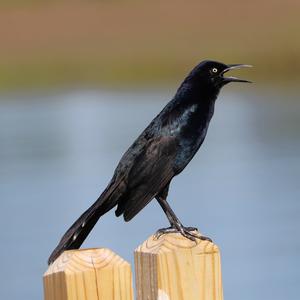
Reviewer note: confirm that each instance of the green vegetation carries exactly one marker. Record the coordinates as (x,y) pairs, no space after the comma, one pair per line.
(125,43)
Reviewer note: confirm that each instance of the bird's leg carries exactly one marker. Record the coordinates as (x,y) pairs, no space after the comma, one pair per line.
(176,225)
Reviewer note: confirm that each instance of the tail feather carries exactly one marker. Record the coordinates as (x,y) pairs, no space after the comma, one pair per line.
(77,233)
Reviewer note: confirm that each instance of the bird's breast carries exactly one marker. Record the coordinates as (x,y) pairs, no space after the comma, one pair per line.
(190,129)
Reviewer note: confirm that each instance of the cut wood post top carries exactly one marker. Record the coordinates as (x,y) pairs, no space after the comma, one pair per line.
(81,260)
(173,267)
(175,241)
(88,274)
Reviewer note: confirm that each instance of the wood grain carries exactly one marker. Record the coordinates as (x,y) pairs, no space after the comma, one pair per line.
(88,274)
(175,268)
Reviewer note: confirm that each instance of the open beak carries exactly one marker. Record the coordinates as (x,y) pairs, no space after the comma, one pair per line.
(231,78)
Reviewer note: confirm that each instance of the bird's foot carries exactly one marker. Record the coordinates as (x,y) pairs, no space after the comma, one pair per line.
(187,232)
(163,231)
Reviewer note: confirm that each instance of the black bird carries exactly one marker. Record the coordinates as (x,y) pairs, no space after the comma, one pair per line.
(161,152)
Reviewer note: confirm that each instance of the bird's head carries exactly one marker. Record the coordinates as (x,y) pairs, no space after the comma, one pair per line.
(211,74)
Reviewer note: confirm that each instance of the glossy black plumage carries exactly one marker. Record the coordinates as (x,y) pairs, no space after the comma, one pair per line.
(161,152)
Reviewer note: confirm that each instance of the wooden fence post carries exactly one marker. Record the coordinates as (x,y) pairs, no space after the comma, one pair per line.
(175,268)
(88,274)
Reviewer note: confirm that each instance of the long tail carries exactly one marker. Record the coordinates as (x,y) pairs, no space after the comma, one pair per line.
(78,232)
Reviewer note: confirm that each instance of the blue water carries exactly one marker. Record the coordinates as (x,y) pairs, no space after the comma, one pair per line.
(59,150)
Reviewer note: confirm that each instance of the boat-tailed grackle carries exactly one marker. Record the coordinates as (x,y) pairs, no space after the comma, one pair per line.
(161,152)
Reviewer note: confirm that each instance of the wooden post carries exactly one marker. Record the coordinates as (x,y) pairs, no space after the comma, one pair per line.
(175,268)
(89,274)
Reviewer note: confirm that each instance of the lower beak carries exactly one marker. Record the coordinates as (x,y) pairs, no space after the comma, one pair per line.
(231,78)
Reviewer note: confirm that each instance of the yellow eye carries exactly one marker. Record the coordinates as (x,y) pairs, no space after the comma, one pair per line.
(215,70)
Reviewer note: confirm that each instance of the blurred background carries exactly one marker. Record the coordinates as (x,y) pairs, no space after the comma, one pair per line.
(79,80)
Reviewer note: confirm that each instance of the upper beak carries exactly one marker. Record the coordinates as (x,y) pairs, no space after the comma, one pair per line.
(231,78)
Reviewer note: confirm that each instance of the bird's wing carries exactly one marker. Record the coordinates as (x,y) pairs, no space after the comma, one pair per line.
(151,171)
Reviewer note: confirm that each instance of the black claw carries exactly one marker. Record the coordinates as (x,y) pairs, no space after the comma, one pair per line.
(188,235)
(163,231)
(205,238)
(184,231)
(201,237)
(191,228)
